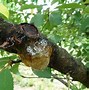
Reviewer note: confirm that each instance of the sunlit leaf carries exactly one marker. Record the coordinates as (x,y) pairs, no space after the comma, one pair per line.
(9,57)
(30,6)
(74,87)
(4,10)
(86,9)
(54,1)
(71,5)
(86,2)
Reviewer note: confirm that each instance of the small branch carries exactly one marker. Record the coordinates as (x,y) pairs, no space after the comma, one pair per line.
(60,59)
(32,76)
(53,76)
(60,79)
(4,44)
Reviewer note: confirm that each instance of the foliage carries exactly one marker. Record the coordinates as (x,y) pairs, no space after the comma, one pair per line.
(6,76)
(4,10)
(65,23)
(46,73)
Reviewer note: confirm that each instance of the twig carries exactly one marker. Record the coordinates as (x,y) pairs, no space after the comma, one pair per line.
(53,76)
(59,79)
(32,77)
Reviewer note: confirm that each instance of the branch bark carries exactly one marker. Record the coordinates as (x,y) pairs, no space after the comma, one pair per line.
(16,38)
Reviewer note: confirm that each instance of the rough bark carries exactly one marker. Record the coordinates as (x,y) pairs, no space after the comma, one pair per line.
(14,38)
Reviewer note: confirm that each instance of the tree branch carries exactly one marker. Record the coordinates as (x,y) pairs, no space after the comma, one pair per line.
(37,51)
(63,62)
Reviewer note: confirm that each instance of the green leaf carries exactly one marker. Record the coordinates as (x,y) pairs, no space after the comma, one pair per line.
(55,18)
(14,69)
(87,47)
(30,6)
(86,2)
(9,57)
(87,64)
(55,38)
(84,24)
(4,10)
(74,87)
(2,63)
(2,52)
(59,1)
(71,5)
(6,80)
(46,73)
(38,19)
(5,60)
(34,1)
(54,1)
(86,9)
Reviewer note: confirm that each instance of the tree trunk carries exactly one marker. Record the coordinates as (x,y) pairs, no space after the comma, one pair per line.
(15,39)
